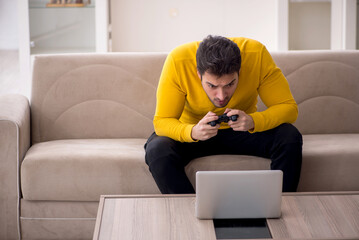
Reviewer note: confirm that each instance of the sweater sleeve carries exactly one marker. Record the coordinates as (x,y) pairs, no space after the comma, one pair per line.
(275,93)
(171,99)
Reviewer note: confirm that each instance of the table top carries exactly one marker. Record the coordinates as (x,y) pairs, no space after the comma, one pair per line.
(151,217)
(325,215)
(318,216)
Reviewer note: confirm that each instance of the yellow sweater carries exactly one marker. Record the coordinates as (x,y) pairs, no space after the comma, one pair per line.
(182,102)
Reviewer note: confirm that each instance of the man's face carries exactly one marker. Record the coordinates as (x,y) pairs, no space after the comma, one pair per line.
(219,89)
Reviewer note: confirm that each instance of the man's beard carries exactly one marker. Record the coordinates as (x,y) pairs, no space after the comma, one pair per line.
(220,104)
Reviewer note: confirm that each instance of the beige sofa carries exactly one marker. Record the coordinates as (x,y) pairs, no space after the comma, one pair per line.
(90,117)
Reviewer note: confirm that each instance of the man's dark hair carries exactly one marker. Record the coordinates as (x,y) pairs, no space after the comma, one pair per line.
(218,56)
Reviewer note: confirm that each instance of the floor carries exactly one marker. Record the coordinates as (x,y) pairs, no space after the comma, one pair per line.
(10,80)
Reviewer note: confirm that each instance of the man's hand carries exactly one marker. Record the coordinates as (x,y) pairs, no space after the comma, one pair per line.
(244,121)
(203,131)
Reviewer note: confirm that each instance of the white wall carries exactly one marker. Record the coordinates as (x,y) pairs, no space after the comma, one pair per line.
(309,25)
(8,24)
(161,25)
(62,29)
(153,26)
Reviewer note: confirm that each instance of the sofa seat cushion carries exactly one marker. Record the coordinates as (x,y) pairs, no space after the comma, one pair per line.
(330,162)
(225,163)
(338,154)
(82,170)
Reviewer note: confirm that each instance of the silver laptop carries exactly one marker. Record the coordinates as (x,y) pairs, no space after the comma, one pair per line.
(238,194)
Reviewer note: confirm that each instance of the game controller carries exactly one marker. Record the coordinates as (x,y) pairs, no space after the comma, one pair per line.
(223,118)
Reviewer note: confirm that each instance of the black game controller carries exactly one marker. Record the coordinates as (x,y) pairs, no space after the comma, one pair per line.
(223,118)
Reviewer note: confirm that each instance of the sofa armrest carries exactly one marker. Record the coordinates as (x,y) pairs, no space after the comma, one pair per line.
(14,142)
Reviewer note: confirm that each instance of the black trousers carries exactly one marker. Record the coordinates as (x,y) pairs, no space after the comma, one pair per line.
(167,158)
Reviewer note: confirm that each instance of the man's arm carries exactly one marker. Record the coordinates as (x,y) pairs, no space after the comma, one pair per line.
(171,99)
(276,95)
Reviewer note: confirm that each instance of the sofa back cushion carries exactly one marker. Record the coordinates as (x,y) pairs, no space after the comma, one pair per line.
(113,95)
(109,95)
(325,85)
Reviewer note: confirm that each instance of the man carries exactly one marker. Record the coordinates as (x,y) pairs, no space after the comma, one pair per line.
(202,80)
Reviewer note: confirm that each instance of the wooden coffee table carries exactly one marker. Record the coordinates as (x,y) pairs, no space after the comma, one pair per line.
(333,215)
